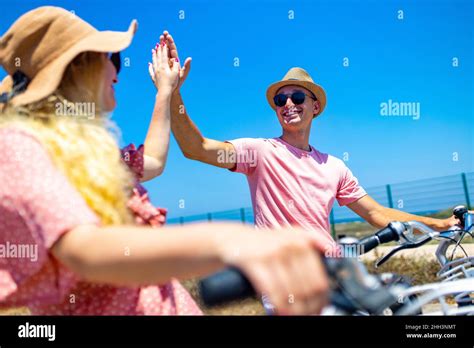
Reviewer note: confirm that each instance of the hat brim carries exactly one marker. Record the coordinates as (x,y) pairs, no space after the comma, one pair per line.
(317,90)
(48,79)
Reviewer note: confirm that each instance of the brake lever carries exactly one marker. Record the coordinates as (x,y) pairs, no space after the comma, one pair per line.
(405,246)
(355,289)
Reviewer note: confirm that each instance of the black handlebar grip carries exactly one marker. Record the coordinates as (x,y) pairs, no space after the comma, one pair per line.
(227,285)
(369,243)
(385,235)
(388,234)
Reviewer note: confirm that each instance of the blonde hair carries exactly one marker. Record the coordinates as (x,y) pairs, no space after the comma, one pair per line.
(83,148)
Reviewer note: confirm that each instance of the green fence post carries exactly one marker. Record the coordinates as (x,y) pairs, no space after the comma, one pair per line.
(389,196)
(333,225)
(466,190)
(242,215)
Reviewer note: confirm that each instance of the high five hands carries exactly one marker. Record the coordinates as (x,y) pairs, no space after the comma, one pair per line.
(172,51)
(164,71)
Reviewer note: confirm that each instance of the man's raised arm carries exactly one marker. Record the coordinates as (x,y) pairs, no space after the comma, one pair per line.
(192,143)
(189,138)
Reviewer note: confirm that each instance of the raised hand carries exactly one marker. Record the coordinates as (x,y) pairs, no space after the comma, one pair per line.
(164,72)
(173,54)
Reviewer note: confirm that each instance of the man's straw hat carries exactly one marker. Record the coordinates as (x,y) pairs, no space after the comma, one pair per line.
(298,77)
(40,44)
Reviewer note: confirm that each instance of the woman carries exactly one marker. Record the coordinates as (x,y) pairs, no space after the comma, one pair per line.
(67,197)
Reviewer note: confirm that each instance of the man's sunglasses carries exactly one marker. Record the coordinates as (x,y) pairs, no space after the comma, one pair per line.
(297,98)
(115,59)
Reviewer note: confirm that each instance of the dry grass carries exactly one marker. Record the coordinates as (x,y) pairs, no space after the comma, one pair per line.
(15,311)
(419,270)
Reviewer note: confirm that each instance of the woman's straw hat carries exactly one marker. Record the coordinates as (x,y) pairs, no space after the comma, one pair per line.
(38,47)
(298,77)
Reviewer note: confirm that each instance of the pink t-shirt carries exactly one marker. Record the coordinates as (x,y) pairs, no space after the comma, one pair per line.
(37,206)
(290,186)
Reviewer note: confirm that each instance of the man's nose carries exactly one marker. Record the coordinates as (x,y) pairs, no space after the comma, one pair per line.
(289,102)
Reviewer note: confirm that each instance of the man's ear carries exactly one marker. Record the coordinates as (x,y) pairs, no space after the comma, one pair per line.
(316,107)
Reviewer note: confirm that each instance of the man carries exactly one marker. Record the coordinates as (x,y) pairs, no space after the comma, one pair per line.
(291,182)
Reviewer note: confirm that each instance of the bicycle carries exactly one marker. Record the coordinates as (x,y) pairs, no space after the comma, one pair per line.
(356,292)
(451,269)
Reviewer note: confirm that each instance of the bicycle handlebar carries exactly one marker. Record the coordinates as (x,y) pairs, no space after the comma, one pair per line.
(231,284)
(451,235)
(353,288)
(391,233)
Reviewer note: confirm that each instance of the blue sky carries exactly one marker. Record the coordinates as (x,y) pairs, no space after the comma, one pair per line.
(408,60)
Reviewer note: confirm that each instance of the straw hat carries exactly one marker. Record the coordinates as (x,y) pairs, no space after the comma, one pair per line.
(298,77)
(38,47)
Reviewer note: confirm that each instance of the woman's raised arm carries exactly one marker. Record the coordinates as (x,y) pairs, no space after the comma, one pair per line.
(165,77)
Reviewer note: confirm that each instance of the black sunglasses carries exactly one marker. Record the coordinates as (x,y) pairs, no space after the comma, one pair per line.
(115,59)
(297,98)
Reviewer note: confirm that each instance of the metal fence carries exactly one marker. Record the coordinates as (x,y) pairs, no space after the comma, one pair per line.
(420,197)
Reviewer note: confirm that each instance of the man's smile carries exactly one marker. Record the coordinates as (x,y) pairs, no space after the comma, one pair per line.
(291,113)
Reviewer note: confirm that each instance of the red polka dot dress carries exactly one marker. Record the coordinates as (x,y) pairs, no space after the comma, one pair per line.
(37,206)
